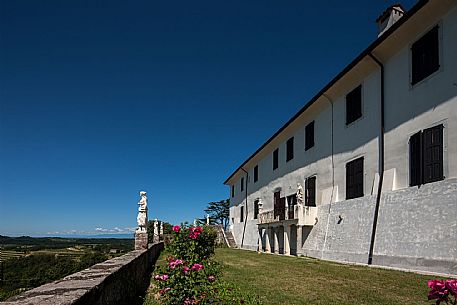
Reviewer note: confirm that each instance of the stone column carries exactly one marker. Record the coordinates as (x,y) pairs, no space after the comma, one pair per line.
(141,234)
(267,240)
(259,240)
(287,239)
(276,239)
(299,239)
(161,231)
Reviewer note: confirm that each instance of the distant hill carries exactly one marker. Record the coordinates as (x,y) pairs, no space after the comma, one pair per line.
(112,239)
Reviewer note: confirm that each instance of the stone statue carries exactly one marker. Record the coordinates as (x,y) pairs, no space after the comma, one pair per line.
(142,218)
(161,229)
(207,219)
(156,231)
(141,234)
(300,200)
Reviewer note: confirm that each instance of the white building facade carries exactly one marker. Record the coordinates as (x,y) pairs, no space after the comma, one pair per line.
(375,153)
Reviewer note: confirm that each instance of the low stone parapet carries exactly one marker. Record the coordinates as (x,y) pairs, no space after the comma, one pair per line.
(121,280)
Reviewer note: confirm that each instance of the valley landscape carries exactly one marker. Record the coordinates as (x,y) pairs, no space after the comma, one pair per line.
(27,262)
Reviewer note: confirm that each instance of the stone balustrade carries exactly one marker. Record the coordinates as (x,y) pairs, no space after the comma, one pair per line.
(304,215)
(121,280)
(307,216)
(267,217)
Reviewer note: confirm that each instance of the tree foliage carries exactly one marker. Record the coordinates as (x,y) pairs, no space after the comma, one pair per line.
(218,212)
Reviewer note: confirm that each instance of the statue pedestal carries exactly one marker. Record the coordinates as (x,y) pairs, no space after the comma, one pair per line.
(141,240)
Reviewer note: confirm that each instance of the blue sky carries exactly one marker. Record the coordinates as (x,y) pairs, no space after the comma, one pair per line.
(102,99)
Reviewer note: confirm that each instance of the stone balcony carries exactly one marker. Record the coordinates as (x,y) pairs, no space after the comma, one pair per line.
(301,215)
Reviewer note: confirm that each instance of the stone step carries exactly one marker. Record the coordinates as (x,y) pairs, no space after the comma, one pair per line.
(230,239)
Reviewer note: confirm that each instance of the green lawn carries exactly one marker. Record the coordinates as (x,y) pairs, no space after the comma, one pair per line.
(297,280)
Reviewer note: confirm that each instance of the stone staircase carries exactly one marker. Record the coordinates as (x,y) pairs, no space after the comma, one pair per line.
(230,239)
(224,237)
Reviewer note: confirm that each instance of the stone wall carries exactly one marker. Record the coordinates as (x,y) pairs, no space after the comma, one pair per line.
(417,229)
(349,231)
(121,280)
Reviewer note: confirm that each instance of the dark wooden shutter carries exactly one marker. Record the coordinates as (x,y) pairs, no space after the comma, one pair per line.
(354,105)
(425,56)
(242,184)
(242,214)
(282,208)
(256,173)
(311,191)
(276,198)
(256,208)
(309,135)
(349,181)
(359,177)
(275,159)
(290,149)
(433,154)
(354,179)
(415,159)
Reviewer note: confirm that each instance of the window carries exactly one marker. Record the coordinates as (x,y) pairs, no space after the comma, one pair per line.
(309,135)
(275,158)
(256,173)
(256,208)
(242,184)
(233,190)
(426,156)
(354,105)
(290,149)
(310,191)
(241,213)
(425,56)
(291,203)
(354,179)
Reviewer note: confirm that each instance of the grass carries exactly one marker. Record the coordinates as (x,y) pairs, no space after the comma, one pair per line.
(293,280)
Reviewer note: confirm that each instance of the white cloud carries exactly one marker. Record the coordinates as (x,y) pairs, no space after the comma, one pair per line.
(115,230)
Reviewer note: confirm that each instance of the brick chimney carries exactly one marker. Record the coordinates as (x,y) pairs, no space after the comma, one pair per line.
(391,15)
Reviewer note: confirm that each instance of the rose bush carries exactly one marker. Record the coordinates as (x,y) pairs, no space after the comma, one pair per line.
(193,244)
(190,276)
(443,291)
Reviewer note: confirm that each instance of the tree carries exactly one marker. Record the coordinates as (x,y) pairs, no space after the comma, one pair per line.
(218,212)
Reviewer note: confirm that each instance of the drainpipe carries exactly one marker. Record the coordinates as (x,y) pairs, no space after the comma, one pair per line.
(246,206)
(333,181)
(381,162)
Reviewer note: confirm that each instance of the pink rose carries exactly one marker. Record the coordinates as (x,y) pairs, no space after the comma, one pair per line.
(197,267)
(438,291)
(211,278)
(176,229)
(451,285)
(163,277)
(162,291)
(189,301)
(195,232)
(186,270)
(174,264)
